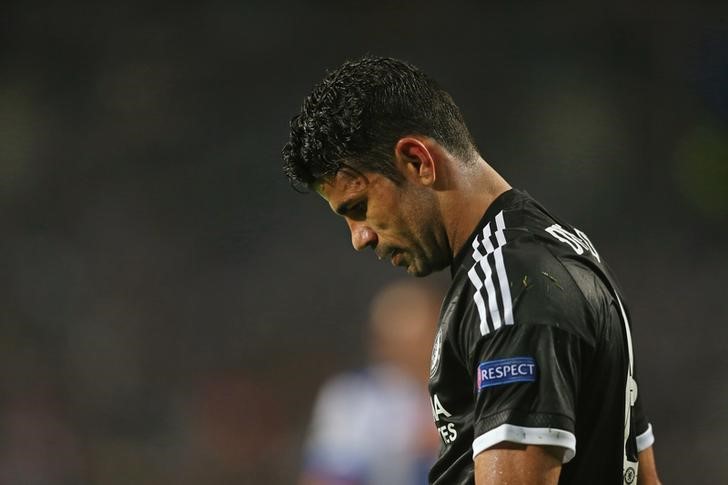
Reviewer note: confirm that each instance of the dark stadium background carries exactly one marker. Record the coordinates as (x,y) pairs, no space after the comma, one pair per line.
(169,305)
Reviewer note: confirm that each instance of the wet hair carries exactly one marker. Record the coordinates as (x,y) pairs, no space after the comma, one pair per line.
(356,115)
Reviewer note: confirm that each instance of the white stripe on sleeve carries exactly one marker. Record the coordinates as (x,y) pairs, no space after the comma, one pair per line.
(646,439)
(527,436)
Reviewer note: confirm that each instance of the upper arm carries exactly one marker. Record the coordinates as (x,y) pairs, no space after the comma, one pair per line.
(514,464)
(537,407)
(525,363)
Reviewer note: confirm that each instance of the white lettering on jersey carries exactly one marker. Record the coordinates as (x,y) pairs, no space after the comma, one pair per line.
(438,409)
(579,242)
(447,431)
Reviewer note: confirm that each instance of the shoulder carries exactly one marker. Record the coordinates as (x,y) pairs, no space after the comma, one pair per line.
(518,272)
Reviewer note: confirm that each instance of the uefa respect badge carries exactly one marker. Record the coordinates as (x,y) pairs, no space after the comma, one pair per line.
(506,371)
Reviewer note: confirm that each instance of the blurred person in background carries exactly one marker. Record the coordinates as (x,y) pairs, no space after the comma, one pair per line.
(533,352)
(387,399)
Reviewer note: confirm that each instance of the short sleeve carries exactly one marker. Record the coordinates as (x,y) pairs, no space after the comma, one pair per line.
(526,380)
(644,435)
(524,346)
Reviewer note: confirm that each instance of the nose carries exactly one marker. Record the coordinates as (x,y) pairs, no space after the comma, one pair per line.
(362,236)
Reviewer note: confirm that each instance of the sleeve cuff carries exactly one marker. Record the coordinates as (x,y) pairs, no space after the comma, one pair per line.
(530,436)
(646,439)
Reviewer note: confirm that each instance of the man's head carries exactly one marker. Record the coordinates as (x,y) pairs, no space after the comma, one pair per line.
(370,139)
(356,115)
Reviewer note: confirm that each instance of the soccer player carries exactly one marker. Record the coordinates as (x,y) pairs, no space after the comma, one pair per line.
(532,372)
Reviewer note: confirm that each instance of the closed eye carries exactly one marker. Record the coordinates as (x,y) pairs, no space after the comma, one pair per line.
(357,210)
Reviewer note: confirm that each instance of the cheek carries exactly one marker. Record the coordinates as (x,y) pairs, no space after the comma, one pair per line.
(418,217)
(407,219)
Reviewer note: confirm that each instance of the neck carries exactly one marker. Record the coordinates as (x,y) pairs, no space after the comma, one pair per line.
(475,189)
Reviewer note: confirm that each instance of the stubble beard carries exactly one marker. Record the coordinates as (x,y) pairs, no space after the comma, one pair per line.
(426,218)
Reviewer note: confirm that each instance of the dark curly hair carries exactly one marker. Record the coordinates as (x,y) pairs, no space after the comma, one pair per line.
(356,115)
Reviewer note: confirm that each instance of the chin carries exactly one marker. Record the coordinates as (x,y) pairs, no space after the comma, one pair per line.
(418,272)
(420,268)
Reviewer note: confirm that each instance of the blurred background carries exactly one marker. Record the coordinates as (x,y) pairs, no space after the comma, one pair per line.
(170,307)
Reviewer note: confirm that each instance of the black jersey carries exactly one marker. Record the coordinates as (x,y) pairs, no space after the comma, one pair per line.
(532,349)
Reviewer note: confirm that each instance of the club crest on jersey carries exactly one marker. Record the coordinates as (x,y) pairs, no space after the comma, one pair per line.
(436,351)
(506,371)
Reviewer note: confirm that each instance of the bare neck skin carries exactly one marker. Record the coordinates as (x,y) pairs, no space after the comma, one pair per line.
(470,191)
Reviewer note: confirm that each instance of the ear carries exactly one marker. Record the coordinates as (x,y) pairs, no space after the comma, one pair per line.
(415,160)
